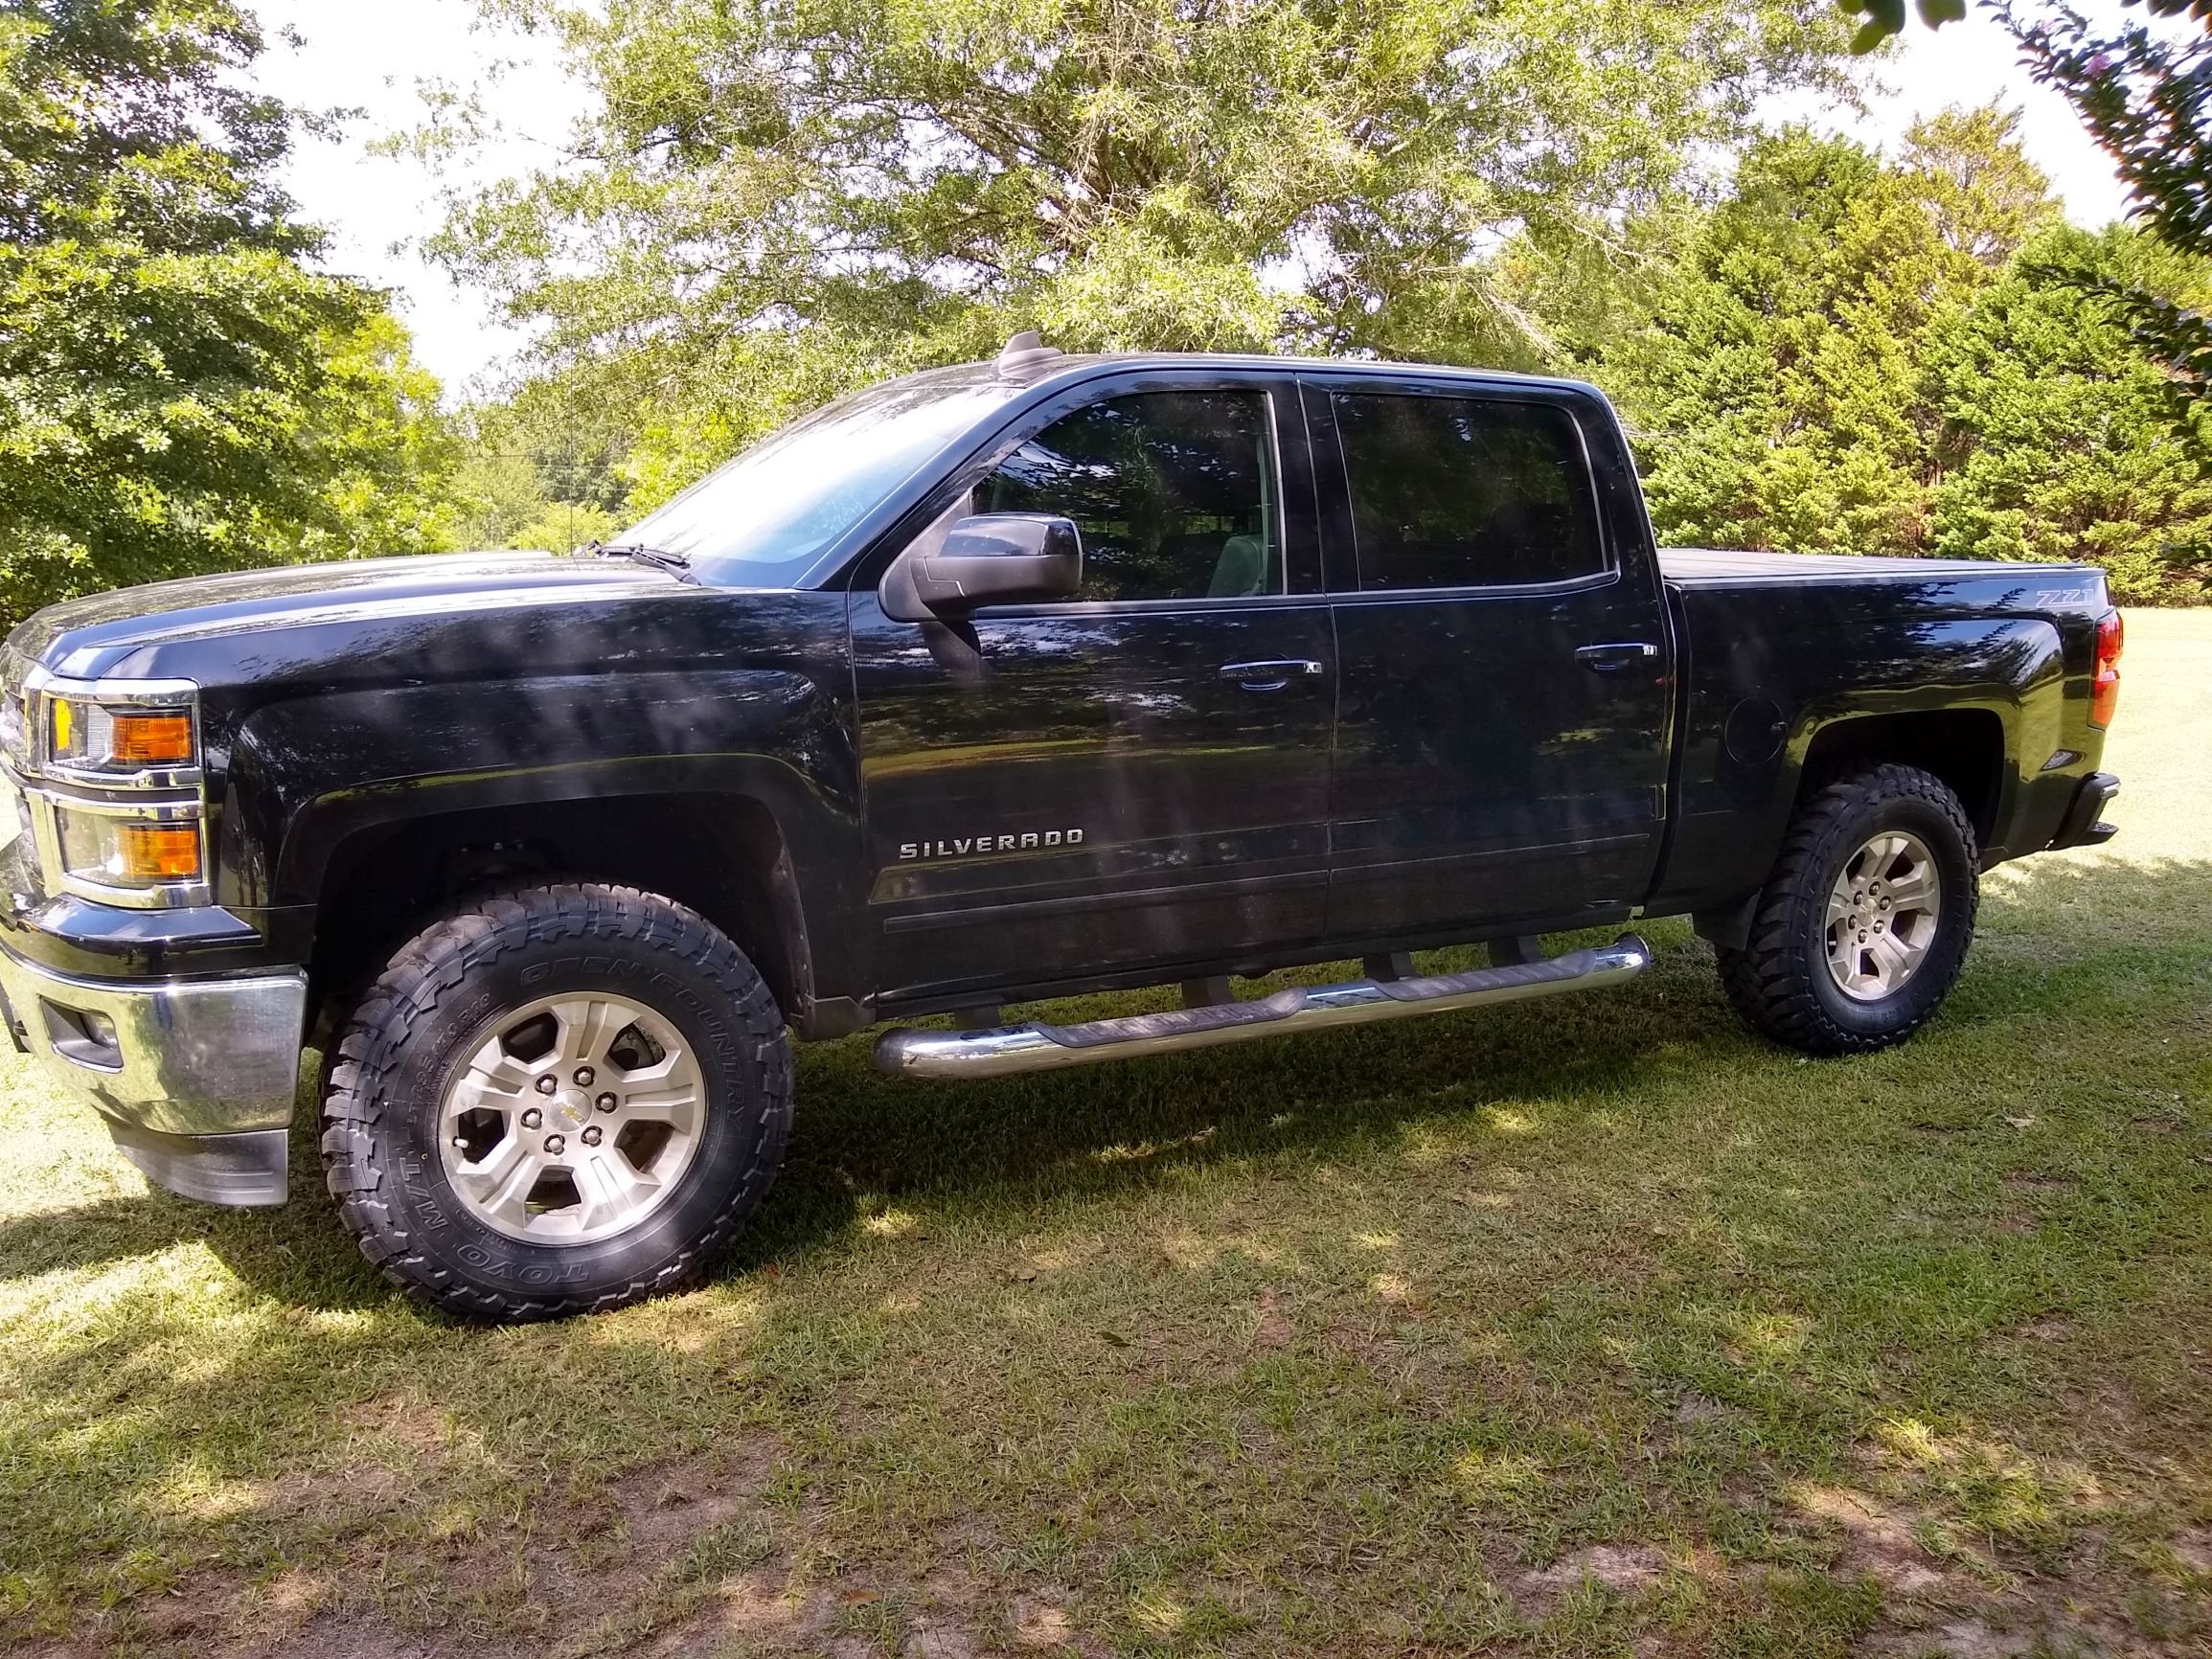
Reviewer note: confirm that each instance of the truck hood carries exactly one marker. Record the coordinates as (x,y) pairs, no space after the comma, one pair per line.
(93,634)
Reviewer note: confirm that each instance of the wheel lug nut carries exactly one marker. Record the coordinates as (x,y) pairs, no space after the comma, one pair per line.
(553,1143)
(592,1135)
(607,1103)
(546,1086)
(583,1077)
(531,1117)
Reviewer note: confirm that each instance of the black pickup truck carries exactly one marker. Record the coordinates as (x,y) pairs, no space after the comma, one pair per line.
(989,685)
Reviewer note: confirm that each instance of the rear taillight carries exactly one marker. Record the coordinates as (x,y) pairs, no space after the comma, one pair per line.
(2104,688)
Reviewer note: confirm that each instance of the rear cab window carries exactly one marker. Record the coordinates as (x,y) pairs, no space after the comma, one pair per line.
(1454,491)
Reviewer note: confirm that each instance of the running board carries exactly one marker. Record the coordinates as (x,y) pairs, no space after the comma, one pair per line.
(1040,1046)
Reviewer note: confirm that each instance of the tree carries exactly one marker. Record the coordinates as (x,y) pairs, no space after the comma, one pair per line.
(775,200)
(1851,355)
(2145,96)
(178,391)
(2057,440)
(541,473)
(1779,380)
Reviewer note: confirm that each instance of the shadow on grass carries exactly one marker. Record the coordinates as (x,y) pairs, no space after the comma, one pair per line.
(2059,938)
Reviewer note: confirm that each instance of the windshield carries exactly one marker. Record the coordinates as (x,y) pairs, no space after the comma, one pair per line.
(765,519)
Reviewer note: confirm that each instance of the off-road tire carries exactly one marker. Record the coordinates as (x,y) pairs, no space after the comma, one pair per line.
(432,1003)
(1780,981)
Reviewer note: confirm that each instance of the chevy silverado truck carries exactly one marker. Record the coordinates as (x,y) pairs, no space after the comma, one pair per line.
(990,685)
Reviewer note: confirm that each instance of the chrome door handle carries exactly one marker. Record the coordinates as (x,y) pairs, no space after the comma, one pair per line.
(1269,677)
(1613,659)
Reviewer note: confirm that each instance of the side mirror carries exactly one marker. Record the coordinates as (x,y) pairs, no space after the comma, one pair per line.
(988,559)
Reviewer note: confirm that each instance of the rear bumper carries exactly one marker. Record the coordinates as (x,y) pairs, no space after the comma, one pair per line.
(194,1077)
(2083,823)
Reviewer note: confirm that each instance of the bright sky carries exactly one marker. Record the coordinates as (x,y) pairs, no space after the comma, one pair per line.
(370,57)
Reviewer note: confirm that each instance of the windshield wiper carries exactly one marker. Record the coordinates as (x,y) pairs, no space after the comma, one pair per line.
(659,557)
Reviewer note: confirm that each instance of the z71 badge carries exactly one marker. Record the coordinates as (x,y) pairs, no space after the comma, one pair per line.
(974,845)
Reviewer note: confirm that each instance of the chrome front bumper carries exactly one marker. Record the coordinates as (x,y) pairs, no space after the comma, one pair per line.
(196,1079)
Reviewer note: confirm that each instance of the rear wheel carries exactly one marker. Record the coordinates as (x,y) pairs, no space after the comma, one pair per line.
(556,1100)
(1864,926)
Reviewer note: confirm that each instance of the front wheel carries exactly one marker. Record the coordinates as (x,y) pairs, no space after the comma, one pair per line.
(1863,927)
(556,1100)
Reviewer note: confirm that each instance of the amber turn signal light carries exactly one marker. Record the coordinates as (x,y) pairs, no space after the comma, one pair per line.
(154,739)
(161,851)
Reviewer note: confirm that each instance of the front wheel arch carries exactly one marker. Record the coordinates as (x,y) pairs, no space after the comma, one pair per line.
(724,856)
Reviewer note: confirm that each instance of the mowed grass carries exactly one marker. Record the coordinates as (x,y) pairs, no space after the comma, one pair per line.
(1594,1326)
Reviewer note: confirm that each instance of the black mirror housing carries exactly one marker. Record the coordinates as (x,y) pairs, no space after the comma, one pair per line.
(986,559)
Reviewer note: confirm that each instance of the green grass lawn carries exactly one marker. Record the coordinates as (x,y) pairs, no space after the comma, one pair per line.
(1592,1327)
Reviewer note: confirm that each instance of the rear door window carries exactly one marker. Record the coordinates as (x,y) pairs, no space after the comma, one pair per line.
(1453,493)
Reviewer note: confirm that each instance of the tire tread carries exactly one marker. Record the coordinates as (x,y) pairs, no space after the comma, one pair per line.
(1769,979)
(427,970)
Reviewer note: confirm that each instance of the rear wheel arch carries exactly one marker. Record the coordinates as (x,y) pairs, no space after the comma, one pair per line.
(1966,748)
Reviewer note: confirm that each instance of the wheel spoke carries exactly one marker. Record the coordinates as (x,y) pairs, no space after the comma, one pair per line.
(676,1106)
(493,1081)
(1914,890)
(588,1024)
(1839,904)
(609,1187)
(1892,962)
(502,1184)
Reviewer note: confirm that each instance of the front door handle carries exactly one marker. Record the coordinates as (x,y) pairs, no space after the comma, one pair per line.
(1269,677)
(1617,658)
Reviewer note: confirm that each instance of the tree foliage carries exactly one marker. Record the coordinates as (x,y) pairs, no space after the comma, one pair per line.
(178,391)
(1853,356)
(2144,96)
(774,199)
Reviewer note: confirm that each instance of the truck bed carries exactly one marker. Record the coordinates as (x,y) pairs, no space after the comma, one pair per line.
(1771,645)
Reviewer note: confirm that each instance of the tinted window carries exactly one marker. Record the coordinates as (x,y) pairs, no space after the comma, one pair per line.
(1465,493)
(1174,492)
(765,519)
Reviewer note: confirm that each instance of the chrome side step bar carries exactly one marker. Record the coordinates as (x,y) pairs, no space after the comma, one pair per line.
(1041,1047)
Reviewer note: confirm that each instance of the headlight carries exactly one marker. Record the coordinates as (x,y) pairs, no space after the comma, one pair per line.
(112,773)
(118,852)
(95,738)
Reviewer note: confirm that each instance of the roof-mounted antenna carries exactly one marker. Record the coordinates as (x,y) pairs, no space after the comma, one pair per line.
(1026,355)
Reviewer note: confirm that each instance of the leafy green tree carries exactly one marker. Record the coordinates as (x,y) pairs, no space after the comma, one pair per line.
(541,473)
(773,201)
(1779,383)
(2146,97)
(1856,356)
(2057,440)
(178,391)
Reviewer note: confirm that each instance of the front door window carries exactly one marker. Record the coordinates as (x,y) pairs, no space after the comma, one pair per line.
(1175,493)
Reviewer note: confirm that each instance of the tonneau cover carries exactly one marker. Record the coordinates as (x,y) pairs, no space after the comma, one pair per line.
(1693,566)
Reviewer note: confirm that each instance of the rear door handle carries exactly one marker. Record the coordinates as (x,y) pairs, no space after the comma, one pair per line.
(1269,677)
(1617,658)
